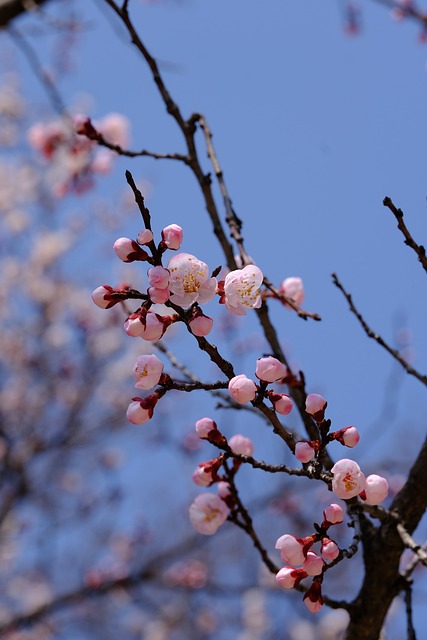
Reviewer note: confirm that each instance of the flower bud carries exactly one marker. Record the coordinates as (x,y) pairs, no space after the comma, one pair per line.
(201,325)
(313,564)
(349,436)
(270,369)
(304,452)
(128,250)
(241,389)
(141,410)
(376,490)
(144,237)
(293,288)
(158,296)
(313,597)
(204,427)
(103,297)
(329,549)
(315,406)
(333,514)
(172,236)
(294,550)
(289,577)
(281,402)
(158,277)
(242,445)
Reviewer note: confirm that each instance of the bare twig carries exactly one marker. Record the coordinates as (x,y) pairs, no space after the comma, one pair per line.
(30,54)
(375,336)
(408,606)
(410,543)
(418,248)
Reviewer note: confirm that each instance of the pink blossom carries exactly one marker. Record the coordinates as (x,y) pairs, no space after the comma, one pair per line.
(172,236)
(103,297)
(207,513)
(204,427)
(115,129)
(141,410)
(242,445)
(289,577)
(144,237)
(241,389)
(189,280)
(313,597)
(147,371)
(329,549)
(313,564)
(149,326)
(158,296)
(293,550)
(315,406)
(376,490)
(242,290)
(304,452)
(282,403)
(158,277)
(293,288)
(348,480)
(270,369)
(201,325)
(333,514)
(128,250)
(349,436)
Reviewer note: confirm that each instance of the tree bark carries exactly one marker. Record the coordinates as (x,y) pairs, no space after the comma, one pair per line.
(382,550)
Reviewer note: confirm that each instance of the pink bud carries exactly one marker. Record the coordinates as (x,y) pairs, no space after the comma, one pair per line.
(144,237)
(147,371)
(141,410)
(329,549)
(270,369)
(128,250)
(206,473)
(313,564)
(158,277)
(204,427)
(293,288)
(289,577)
(376,490)
(207,513)
(315,406)
(201,325)
(313,597)
(147,325)
(293,550)
(304,452)
(349,436)
(281,402)
(158,296)
(242,389)
(102,297)
(224,490)
(348,480)
(242,445)
(333,514)
(172,236)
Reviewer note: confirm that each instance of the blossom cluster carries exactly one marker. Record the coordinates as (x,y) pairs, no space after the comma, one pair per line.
(302,562)
(348,480)
(74,159)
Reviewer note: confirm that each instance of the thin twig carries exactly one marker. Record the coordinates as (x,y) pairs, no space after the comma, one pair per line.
(415,561)
(375,336)
(408,606)
(418,248)
(410,543)
(30,54)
